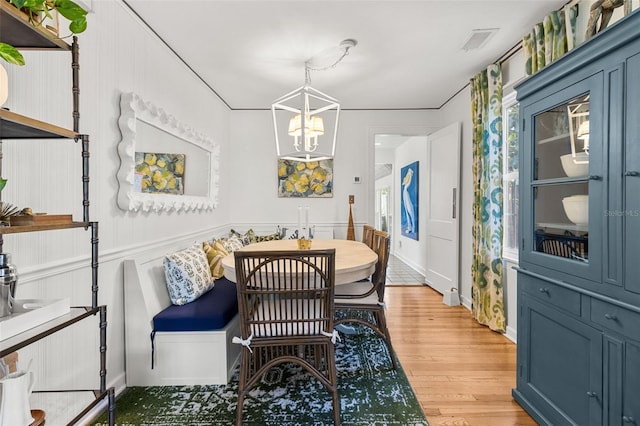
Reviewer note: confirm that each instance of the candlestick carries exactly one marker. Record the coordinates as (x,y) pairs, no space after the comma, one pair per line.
(306,222)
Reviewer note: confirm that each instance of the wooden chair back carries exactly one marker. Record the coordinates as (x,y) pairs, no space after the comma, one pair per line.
(367,235)
(364,297)
(382,246)
(285,294)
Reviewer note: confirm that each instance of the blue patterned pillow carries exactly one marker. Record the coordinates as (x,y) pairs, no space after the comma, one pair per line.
(188,275)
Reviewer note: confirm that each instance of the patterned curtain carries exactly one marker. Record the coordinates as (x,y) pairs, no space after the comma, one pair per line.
(486,269)
(550,39)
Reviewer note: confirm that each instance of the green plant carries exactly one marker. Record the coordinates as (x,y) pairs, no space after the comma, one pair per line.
(11,54)
(37,10)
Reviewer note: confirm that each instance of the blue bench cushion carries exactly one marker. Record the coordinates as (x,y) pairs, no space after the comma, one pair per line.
(211,311)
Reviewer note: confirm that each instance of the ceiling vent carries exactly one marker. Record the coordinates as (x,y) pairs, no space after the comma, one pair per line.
(478,38)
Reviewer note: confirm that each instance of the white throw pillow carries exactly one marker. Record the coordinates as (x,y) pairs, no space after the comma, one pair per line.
(232,243)
(188,275)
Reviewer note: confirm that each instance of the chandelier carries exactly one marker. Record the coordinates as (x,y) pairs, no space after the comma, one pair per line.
(305,121)
(578,114)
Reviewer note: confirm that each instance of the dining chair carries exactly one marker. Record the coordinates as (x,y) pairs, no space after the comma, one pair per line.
(367,235)
(362,302)
(286,308)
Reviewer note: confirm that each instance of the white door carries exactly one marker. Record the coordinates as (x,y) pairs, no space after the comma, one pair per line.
(443,194)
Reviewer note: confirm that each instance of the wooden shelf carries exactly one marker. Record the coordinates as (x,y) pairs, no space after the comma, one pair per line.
(16,126)
(34,334)
(19,33)
(48,227)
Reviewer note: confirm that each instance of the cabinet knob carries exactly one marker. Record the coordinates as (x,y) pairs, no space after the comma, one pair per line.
(627,419)
(543,290)
(632,173)
(610,317)
(595,177)
(592,394)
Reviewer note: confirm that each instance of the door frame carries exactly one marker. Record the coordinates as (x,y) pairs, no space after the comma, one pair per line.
(371,184)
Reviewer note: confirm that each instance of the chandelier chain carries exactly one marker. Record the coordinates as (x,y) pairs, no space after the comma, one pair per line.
(333,65)
(308,68)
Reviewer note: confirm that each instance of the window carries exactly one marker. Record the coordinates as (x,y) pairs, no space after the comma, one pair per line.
(510,114)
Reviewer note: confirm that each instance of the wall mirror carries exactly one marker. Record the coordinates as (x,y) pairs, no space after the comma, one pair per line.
(164,164)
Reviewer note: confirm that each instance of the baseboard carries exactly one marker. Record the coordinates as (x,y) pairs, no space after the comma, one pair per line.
(411,264)
(466,302)
(511,333)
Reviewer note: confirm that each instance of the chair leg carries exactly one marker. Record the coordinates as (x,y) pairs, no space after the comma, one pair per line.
(336,408)
(242,383)
(239,409)
(333,379)
(382,325)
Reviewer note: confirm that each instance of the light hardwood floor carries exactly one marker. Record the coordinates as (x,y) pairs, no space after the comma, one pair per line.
(461,372)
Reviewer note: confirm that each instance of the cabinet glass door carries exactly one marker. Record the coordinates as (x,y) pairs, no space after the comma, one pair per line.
(562,175)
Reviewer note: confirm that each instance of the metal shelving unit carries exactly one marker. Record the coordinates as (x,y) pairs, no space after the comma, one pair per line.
(17,31)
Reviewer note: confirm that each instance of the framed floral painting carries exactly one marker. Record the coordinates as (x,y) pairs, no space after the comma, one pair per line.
(313,179)
(159,173)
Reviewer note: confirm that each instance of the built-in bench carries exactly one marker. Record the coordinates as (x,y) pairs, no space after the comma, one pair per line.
(191,343)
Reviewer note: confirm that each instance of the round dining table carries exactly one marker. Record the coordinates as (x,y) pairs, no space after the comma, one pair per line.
(354,260)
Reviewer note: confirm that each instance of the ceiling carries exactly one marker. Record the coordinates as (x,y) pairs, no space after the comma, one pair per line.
(409,53)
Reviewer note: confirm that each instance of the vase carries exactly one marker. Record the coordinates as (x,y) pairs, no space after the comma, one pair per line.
(15,390)
(4,85)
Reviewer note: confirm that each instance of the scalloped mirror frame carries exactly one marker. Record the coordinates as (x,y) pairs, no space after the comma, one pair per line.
(133,109)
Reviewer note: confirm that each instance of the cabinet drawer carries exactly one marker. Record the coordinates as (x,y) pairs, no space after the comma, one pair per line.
(615,318)
(563,298)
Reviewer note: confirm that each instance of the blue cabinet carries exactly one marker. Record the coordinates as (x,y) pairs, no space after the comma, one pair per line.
(559,369)
(579,274)
(621,399)
(563,178)
(630,213)
(630,385)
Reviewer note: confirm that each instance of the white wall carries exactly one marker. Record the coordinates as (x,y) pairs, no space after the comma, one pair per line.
(116,55)
(384,155)
(253,176)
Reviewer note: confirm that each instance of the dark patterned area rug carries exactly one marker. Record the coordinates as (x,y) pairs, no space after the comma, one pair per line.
(371,393)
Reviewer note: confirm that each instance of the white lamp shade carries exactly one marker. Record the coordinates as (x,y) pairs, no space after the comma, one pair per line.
(583,133)
(314,126)
(4,85)
(583,130)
